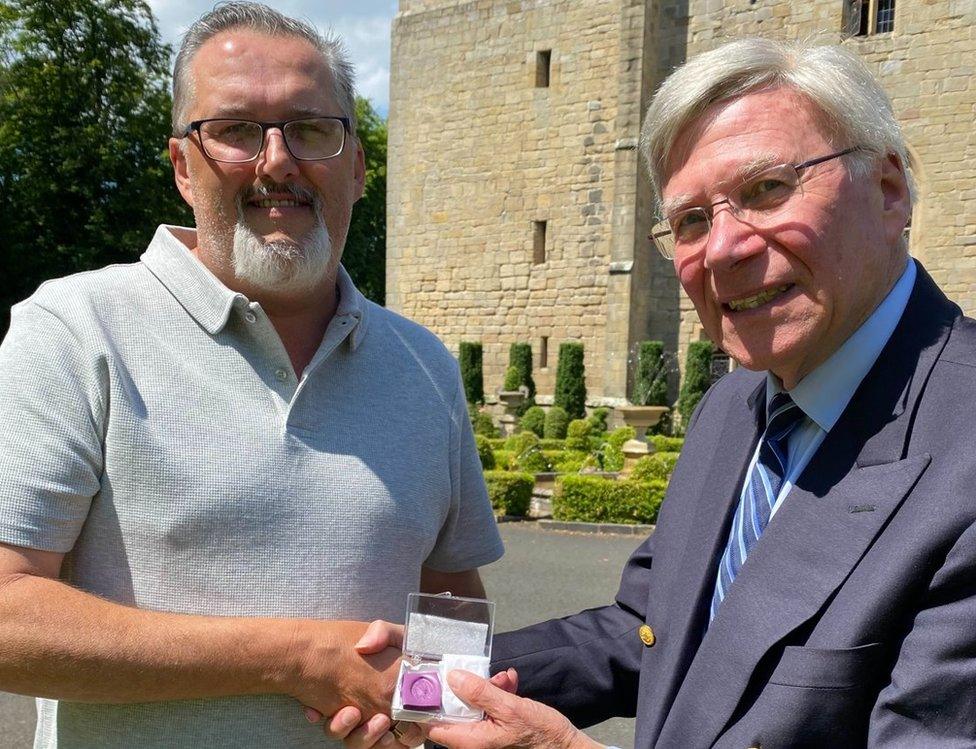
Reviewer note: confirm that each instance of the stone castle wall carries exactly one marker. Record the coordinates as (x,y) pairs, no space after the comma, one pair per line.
(478,153)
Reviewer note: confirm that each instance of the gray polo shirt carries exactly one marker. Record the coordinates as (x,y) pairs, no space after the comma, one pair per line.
(152,426)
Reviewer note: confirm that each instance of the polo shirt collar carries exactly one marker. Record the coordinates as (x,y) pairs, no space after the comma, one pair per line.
(209,302)
(200,292)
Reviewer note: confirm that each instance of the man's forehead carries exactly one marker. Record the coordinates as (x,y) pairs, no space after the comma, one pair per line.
(241,70)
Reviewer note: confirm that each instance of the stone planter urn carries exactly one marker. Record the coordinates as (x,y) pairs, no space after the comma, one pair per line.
(641,418)
(511,400)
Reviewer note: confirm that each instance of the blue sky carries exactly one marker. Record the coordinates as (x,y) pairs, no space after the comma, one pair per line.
(363,24)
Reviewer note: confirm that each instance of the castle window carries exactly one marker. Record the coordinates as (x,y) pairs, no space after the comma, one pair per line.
(543,60)
(867,17)
(539,242)
(544,352)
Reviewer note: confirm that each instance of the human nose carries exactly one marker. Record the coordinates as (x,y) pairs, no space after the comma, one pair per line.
(730,239)
(275,160)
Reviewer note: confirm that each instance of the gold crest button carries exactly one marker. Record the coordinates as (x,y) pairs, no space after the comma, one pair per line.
(647,635)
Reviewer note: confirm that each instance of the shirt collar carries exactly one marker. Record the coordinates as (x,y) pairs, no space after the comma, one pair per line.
(208,301)
(825,392)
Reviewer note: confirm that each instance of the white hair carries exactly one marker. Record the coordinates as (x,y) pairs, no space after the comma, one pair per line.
(279,266)
(261,18)
(855,110)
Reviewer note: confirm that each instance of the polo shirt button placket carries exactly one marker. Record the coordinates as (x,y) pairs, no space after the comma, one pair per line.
(281,374)
(250,317)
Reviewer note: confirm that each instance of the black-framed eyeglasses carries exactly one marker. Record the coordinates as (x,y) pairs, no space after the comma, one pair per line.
(238,141)
(758,201)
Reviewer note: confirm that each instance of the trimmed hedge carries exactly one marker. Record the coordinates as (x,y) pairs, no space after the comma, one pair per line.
(654,466)
(665,444)
(504,459)
(567,461)
(533,461)
(534,420)
(481,422)
(510,493)
(612,449)
(485,453)
(497,443)
(571,380)
(520,442)
(651,377)
(552,444)
(557,422)
(470,359)
(594,499)
(698,373)
(578,435)
(598,419)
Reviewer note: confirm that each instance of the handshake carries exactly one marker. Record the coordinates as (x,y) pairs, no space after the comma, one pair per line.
(360,714)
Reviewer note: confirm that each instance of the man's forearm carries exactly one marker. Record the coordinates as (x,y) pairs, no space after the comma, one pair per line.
(59,642)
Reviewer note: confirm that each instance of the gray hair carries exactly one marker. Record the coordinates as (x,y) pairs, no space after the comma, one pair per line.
(855,110)
(261,18)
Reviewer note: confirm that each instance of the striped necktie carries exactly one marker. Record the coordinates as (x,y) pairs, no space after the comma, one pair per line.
(760,492)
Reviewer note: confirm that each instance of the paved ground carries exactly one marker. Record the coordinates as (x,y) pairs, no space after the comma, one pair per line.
(543,574)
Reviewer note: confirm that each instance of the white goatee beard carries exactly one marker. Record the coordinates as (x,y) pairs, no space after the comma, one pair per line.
(281,265)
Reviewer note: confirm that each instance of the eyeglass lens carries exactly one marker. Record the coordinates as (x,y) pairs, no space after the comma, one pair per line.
(756,201)
(240,140)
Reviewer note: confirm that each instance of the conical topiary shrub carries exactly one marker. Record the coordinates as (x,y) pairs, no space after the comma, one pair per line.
(470,359)
(698,370)
(571,380)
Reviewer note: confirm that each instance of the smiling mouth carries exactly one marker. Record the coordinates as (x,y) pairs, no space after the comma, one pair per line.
(763,297)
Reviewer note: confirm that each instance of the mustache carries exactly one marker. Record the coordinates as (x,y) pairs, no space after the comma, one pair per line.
(256,192)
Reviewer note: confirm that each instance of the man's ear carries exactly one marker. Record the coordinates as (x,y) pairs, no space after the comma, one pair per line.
(896,208)
(180,170)
(359,174)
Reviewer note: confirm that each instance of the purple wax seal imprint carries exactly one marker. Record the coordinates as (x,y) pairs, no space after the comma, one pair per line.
(421,690)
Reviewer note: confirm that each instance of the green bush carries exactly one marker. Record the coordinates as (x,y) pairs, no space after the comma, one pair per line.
(510,493)
(497,443)
(520,442)
(578,435)
(594,499)
(481,422)
(568,461)
(611,453)
(598,419)
(698,371)
(619,436)
(654,466)
(534,420)
(557,422)
(520,357)
(504,460)
(513,379)
(666,444)
(552,444)
(470,358)
(571,380)
(533,460)
(651,376)
(485,452)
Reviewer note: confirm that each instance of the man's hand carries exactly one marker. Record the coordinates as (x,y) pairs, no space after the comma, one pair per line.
(510,721)
(334,673)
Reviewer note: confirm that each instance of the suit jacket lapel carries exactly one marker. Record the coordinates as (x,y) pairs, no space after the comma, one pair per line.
(857,479)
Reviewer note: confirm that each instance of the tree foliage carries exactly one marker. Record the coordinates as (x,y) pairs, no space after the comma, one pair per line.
(365,252)
(84,121)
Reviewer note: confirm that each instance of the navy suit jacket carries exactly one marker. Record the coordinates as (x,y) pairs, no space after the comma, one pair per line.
(853,622)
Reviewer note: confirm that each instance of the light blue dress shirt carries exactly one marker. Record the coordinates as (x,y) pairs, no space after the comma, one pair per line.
(825,392)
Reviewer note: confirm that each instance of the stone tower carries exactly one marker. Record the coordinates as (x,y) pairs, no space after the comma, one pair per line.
(517,207)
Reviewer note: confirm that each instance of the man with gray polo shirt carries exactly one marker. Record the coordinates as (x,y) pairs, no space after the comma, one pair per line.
(217,462)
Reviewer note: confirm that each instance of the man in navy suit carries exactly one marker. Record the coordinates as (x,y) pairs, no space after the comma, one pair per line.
(812,578)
